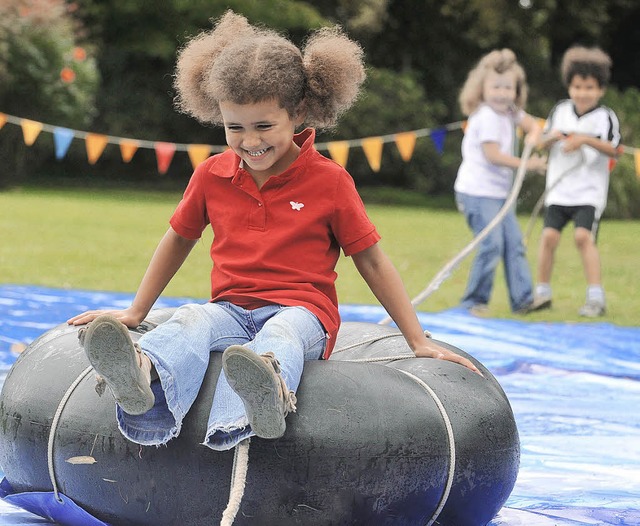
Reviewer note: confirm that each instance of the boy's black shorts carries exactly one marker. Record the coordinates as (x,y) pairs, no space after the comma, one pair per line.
(557,216)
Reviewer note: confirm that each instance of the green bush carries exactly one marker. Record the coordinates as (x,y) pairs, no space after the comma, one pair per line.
(390,103)
(624,186)
(44,74)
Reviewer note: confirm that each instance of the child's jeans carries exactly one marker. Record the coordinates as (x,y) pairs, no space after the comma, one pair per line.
(504,242)
(179,349)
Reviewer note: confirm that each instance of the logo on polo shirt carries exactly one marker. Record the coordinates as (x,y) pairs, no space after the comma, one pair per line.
(296,206)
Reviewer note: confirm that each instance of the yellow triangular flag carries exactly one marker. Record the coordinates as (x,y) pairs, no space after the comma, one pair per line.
(128,148)
(372,147)
(95,144)
(339,151)
(3,120)
(30,130)
(636,156)
(198,153)
(406,143)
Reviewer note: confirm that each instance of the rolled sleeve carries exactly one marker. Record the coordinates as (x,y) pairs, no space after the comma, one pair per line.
(362,244)
(351,226)
(190,217)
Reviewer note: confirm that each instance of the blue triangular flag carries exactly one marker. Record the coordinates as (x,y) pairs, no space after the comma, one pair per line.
(62,138)
(437,136)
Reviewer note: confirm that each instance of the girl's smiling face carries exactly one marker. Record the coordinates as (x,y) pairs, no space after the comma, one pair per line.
(499,90)
(261,134)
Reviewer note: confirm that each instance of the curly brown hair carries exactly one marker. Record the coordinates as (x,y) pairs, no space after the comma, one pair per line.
(500,61)
(585,62)
(244,64)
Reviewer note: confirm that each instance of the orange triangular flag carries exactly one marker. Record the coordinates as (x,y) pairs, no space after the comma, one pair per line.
(3,120)
(339,152)
(198,153)
(95,144)
(128,148)
(636,156)
(164,154)
(372,147)
(30,130)
(406,143)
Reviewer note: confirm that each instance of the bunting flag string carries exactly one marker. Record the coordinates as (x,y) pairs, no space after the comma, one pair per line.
(96,143)
(372,147)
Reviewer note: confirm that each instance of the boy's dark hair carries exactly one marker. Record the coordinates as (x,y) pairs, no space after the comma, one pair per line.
(586,62)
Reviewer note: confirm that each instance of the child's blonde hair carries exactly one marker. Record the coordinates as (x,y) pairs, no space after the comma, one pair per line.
(586,62)
(500,61)
(244,64)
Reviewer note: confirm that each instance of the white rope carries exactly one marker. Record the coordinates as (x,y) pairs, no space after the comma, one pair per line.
(54,428)
(241,454)
(450,441)
(373,340)
(446,271)
(540,202)
(443,414)
(238,482)
(382,358)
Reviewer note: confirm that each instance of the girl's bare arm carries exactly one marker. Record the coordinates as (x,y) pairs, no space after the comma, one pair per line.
(169,256)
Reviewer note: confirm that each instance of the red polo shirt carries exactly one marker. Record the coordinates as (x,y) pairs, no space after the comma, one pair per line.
(279,244)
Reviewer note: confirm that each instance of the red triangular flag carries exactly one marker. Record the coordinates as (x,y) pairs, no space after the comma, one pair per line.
(164,155)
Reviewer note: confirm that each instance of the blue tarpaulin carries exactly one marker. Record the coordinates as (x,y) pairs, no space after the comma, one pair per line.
(574,389)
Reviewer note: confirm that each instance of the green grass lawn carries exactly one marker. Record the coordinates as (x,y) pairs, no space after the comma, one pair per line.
(103,239)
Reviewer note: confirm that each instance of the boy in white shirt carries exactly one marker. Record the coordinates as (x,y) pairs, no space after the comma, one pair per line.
(582,136)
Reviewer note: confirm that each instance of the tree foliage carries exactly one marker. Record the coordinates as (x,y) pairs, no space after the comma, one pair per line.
(45,75)
(418,52)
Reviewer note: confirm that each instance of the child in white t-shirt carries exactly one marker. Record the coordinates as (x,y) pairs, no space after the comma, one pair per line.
(493,97)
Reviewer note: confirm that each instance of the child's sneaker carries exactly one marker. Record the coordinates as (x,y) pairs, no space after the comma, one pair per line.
(592,309)
(480,310)
(257,380)
(119,362)
(540,302)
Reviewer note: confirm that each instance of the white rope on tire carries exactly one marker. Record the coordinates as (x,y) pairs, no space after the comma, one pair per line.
(241,454)
(450,441)
(238,474)
(443,413)
(238,482)
(446,271)
(54,428)
(373,340)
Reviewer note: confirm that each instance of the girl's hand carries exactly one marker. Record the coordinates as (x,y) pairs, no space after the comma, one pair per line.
(550,138)
(431,349)
(554,136)
(537,163)
(127,316)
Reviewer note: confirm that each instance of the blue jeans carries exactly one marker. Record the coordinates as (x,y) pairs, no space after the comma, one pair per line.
(504,242)
(179,350)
